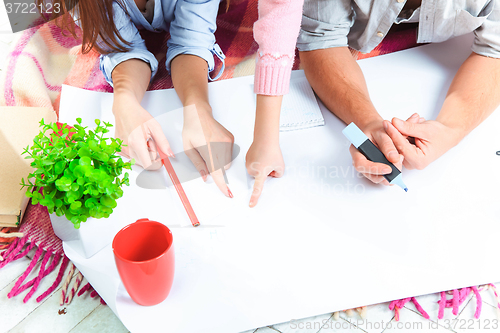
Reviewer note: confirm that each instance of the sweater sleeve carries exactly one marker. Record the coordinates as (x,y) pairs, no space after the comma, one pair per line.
(276,33)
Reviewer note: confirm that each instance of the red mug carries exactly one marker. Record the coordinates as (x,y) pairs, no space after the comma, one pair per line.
(144,256)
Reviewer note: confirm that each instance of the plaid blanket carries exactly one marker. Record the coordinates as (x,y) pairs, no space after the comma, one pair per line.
(44,58)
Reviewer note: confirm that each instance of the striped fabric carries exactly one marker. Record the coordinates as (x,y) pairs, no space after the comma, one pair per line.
(44,57)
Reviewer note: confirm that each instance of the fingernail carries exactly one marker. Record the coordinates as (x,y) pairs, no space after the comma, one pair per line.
(203,175)
(170,153)
(230,193)
(251,204)
(385,125)
(392,154)
(414,115)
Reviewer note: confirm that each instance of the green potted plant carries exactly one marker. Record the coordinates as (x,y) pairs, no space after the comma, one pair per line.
(78,176)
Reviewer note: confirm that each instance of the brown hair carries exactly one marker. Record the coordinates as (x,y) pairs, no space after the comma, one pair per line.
(96,21)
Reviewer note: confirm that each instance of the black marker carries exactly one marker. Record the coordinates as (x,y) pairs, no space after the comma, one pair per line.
(371,152)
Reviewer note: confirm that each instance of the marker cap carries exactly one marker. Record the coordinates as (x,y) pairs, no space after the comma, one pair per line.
(354,134)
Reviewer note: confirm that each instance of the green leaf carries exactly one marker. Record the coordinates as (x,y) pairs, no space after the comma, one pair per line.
(80,181)
(101,156)
(59,167)
(85,160)
(79,172)
(93,146)
(118,193)
(75,205)
(91,202)
(107,201)
(73,164)
(63,184)
(66,151)
(84,151)
(71,154)
(88,170)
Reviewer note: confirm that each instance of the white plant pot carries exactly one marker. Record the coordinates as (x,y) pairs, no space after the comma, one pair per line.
(92,236)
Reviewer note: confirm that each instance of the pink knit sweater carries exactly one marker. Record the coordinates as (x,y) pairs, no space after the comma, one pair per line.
(276,32)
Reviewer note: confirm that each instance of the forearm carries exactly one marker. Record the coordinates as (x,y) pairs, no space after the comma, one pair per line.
(339,82)
(130,80)
(267,119)
(473,95)
(189,76)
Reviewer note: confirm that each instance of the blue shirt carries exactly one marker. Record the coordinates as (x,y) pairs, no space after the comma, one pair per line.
(362,24)
(191,23)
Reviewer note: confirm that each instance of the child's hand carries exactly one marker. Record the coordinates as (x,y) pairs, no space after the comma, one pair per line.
(263,160)
(208,145)
(135,126)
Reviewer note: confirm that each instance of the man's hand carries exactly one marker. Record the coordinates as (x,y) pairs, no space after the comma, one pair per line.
(208,145)
(371,170)
(263,160)
(377,133)
(421,143)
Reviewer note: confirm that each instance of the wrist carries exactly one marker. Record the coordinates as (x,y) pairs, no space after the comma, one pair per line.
(197,112)
(266,131)
(370,122)
(364,115)
(455,132)
(267,119)
(266,143)
(123,101)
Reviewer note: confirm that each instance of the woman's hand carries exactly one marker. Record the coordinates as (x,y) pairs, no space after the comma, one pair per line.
(207,144)
(136,127)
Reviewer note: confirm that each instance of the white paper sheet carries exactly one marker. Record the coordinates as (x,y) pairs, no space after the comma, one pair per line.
(300,109)
(277,261)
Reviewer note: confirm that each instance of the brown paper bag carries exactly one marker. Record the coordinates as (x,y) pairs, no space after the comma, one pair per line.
(18,127)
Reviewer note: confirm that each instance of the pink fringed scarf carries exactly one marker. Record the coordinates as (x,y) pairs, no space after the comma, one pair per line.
(36,232)
(459,296)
